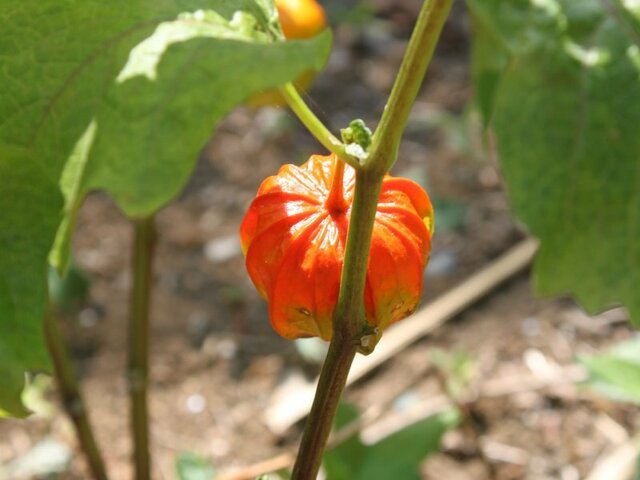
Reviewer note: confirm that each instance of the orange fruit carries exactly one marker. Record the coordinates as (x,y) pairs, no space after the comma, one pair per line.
(293,238)
(299,19)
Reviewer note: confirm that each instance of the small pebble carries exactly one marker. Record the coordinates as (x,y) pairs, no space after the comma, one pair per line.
(88,317)
(222,249)
(219,447)
(222,348)
(442,263)
(530,327)
(406,401)
(569,472)
(227,349)
(198,326)
(313,350)
(48,457)
(196,404)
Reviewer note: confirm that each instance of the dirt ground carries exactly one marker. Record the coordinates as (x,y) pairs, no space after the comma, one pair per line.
(216,361)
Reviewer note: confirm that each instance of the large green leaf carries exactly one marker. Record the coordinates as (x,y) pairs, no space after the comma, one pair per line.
(65,70)
(396,456)
(23,270)
(565,107)
(151,129)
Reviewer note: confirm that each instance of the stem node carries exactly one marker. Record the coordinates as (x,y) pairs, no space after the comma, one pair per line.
(315,126)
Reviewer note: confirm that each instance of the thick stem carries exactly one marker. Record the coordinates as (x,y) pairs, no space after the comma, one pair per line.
(351,331)
(386,139)
(72,400)
(138,368)
(332,381)
(315,126)
(349,317)
(349,328)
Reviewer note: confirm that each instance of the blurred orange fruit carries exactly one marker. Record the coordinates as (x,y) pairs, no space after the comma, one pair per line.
(299,19)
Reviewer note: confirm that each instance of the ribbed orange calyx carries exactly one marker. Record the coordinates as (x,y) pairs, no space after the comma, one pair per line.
(293,237)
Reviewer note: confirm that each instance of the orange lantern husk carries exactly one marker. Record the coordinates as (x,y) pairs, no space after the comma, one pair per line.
(294,235)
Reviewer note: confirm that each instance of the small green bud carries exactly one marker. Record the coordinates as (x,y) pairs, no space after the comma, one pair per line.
(357,132)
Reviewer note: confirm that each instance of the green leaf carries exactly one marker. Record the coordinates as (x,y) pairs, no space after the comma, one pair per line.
(29,202)
(489,61)
(49,76)
(396,456)
(71,182)
(58,69)
(190,466)
(400,454)
(616,373)
(154,124)
(566,110)
(343,462)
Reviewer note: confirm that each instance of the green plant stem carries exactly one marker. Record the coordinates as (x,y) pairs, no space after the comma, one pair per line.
(349,328)
(332,381)
(138,369)
(349,317)
(386,139)
(351,331)
(72,401)
(314,125)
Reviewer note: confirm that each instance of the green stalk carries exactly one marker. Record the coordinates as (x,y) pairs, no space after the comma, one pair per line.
(349,317)
(350,328)
(386,139)
(332,380)
(72,401)
(138,368)
(351,331)
(315,126)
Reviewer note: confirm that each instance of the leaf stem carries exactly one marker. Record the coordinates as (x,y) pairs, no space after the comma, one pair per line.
(351,330)
(386,139)
(315,126)
(72,401)
(138,368)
